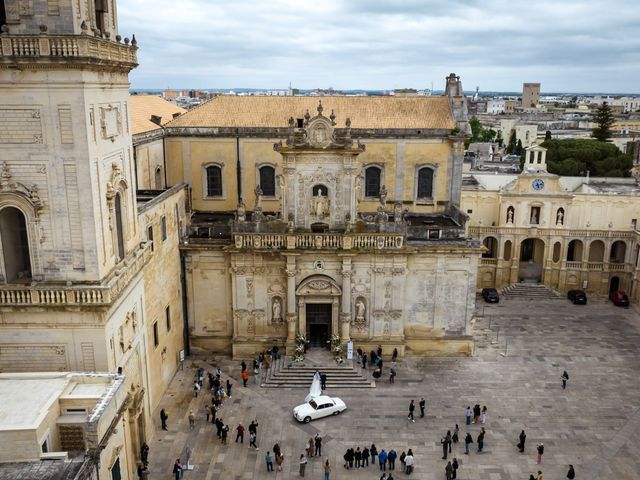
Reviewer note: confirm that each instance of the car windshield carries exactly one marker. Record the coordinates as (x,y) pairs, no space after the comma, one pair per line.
(313,404)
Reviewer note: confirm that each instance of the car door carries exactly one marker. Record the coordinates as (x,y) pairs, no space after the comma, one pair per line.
(329,408)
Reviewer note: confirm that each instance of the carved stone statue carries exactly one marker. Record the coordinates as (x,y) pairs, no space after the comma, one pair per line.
(321,204)
(258,194)
(397,212)
(383,196)
(560,217)
(360,310)
(510,215)
(276,310)
(241,212)
(534,217)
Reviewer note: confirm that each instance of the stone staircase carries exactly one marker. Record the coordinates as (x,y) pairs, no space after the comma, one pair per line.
(286,373)
(531,291)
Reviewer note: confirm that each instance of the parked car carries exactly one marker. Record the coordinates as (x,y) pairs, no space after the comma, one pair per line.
(318,407)
(490,295)
(619,298)
(578,297)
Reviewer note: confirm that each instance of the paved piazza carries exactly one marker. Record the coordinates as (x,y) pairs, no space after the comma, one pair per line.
(593,424)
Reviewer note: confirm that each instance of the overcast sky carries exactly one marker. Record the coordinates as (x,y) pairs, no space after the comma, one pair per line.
(567,45)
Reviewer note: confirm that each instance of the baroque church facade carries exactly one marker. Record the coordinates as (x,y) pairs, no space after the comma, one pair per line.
(344,222)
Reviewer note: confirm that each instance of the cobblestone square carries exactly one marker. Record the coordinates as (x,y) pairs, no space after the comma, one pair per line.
(521,349)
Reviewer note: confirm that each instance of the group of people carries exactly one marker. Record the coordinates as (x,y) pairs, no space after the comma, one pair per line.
(375,359)
(360,458)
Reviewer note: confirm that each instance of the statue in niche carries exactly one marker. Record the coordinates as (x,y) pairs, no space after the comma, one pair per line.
(241,211)
(383,196)
(510,215)
(321,204)
(276,310)
(560,217)
(360,310)
(534,217)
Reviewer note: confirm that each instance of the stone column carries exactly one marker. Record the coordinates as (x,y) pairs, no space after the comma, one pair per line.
(345,312)
(291,303)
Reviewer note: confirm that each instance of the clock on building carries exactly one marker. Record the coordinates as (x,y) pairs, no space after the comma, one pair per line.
(537,184)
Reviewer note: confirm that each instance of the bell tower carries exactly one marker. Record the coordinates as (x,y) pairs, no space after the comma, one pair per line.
(67,191)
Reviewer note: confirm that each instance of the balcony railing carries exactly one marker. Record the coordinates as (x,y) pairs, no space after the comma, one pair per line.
(53,47)
(365,241)
(59,296)
(480,230)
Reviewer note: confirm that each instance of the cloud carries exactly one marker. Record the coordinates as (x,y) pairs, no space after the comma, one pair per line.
(382,44)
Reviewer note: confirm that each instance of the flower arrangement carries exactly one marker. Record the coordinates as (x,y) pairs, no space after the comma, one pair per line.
(301,342)
(336,348)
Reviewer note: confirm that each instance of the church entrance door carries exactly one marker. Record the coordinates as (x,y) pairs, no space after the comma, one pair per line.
(318,324)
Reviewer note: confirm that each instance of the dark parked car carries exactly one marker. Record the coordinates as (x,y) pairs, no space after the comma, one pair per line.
(490,295)
(619,298)
(578,297)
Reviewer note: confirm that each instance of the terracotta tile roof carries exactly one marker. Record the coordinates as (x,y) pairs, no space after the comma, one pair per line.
(365,112)
(143,106)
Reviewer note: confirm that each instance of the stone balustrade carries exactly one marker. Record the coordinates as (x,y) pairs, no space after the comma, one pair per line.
(331,241)
(561,232)
(489,261)
(52,47)
(63,296)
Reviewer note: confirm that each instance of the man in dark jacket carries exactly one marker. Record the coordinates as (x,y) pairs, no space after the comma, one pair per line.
(391,458)
(523,437)
(318,444)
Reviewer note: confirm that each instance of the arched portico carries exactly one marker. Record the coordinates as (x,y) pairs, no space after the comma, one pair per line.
(531,260)
(318,309)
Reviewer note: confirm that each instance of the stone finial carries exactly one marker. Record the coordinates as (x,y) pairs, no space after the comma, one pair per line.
(348,122)
(320,108)
(107,34)
(332,117)
(84,27)
(307,117)
(4,29)
(292,122)
(118,38)
(134,42)
(126,40)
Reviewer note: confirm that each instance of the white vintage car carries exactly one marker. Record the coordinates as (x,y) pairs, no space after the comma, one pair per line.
(318,407)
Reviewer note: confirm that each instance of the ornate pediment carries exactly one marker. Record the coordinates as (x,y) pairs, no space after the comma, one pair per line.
(319,285)
(318,133)
(30,194)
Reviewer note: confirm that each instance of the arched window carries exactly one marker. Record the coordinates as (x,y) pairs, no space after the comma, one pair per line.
(508,246)
(425,183)
(119,226)
(214,181)
(268,181)
(15,245)
(372,177)
(158,179)
(574,251)
(491,245)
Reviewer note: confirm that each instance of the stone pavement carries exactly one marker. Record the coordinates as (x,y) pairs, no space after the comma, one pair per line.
(593,424)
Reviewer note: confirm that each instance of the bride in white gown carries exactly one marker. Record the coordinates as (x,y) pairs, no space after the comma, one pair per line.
(316,389)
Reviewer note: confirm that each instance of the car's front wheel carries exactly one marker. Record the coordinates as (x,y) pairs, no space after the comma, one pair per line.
(337,412)
(307,419)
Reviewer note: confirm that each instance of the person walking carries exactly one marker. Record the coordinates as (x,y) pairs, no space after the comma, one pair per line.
(571,474)
(565,379)
(456,434)
(276,449)
(392,375)
(318,444)
(163,419)
(382,459)
(327,470)
(443,442)
(279,461)
(192,420)
(196,388)
(229,385)
(448,439)
(422,405)
(374,453)
(403,455)
(394,356)
(455,466)
(481,440)
(364,362)
(240,433)
(303,464)
(540,450)
(483,414)
(412,407)
(252,440)
(522,437)
(358,457)
(448,471)
(365,457)
(177,469)
(310,447)
(476,413)
(269,459)
(245,377)
(467,442)
(391,459)
(408,460)
(207,411)
(539,476)
(225,432)
(253,427)
(323,381)
(467,415)
(219,425)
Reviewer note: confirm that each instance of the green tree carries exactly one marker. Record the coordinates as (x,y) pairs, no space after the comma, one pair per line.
(476,129)
(499,139)
(604,121)
(577,155)
(519,150)
(511,146)
(547,135)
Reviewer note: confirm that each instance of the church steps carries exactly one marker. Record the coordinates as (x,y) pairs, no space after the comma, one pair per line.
(283,373)
(528,290)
